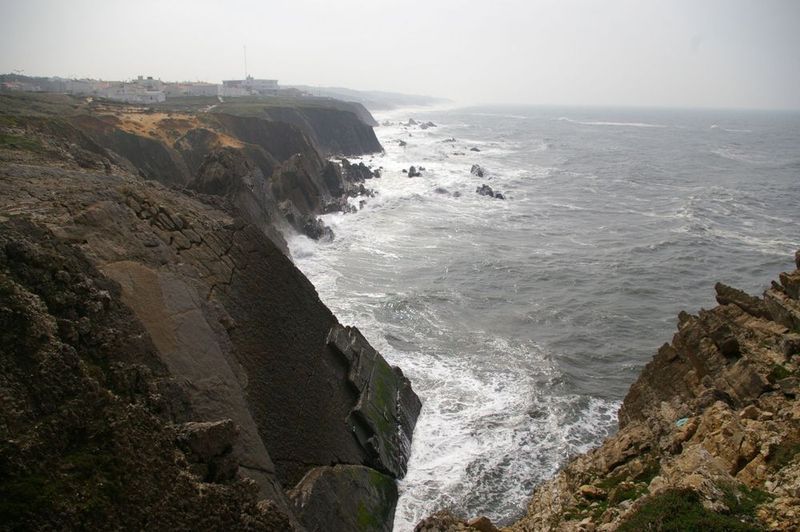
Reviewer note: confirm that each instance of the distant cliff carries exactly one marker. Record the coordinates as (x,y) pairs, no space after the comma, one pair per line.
(709,434)
(164,364)
(271,157)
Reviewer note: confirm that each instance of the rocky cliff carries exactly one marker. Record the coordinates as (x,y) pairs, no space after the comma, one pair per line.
(709,434)
(269,161)
(164,364)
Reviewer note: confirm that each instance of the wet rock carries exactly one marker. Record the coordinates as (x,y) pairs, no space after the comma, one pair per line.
(486,190)
(414,172)
(449,140)
(402,143)
(344,498)
(384,417)
(474,149)
(356,173)
(476,170)
(316,229)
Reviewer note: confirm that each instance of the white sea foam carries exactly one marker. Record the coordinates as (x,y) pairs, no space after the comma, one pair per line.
(487,305)
(605,123)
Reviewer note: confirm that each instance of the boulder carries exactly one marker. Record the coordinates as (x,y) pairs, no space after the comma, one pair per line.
(476,170)
(413,172)
(486,190)
(315,229)
(344,498)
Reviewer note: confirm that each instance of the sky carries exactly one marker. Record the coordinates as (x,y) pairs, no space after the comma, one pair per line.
(666,53)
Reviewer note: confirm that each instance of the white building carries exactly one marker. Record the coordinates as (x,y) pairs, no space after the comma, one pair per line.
(251,86)
(131,93)
(186,88)
(148,83)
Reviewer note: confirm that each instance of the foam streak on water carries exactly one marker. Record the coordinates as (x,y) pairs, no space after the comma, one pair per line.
(521,323)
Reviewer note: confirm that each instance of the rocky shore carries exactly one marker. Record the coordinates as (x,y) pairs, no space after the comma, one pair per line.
(709,434)
(164,364)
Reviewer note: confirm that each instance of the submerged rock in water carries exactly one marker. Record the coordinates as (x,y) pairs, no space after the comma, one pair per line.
(474,149)
(486,190)
(316,229)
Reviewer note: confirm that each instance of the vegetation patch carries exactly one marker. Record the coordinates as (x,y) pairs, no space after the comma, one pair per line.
(627,493)
(744,501)
(784,453)
(778,372)
(17,142)
(680,510)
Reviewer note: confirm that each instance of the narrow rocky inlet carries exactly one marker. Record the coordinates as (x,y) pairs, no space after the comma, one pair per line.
(165,365)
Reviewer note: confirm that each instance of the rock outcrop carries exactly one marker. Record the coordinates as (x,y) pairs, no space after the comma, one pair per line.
(486,190)
(709,434)
(477,171)
(165,365)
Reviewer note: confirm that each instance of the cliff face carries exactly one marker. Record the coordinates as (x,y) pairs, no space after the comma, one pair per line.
(332,131)
(271,158)
(165,365)
(709,434)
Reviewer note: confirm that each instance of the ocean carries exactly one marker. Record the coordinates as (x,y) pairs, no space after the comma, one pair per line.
(522,322)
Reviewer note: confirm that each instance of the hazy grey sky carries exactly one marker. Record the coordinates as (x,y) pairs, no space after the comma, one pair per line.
(706,53)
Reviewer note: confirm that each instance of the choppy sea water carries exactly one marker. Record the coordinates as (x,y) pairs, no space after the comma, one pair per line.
(522,323)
